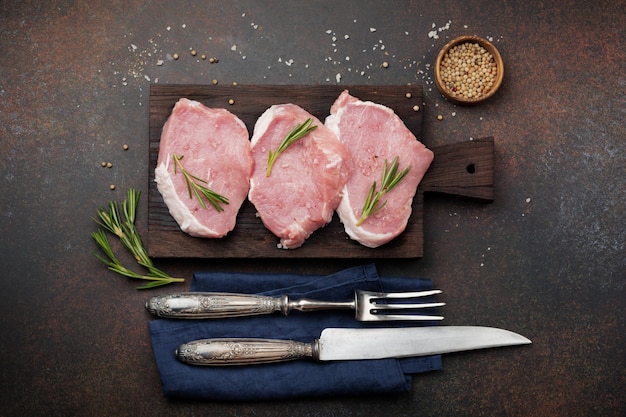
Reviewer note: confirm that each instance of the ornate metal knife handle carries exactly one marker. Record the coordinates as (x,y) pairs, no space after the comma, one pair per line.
(219,352)
(203,305)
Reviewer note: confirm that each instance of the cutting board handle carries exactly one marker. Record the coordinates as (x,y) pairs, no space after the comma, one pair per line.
(463,169)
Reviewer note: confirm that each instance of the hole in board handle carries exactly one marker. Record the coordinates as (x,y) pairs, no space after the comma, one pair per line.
(471,168)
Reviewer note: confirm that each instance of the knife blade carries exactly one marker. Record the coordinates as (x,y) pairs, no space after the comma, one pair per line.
(348,344)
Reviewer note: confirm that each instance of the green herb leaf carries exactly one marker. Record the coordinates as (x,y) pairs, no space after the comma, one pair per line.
(390,179)
(127,233)
(296,133)
(195,187)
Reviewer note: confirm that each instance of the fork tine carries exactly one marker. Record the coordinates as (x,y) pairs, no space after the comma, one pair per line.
(377,306)
(402,317)
(411,294)
(373,306)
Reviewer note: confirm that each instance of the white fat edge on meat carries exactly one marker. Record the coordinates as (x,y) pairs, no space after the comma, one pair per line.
(262,124)
(179,211)
(359,233)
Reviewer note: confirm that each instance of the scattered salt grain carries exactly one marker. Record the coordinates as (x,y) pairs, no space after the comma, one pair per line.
(528,200)
(338,77)
(233,48)
(372,29)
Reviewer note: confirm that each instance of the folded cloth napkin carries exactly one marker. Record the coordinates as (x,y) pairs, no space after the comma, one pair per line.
(302,378)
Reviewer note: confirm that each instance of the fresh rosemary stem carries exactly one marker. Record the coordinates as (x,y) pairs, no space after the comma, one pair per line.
(296,133)
(195,187)
(127,233)
(390,178)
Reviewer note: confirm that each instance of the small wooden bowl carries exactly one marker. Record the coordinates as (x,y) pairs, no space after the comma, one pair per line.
(449,94)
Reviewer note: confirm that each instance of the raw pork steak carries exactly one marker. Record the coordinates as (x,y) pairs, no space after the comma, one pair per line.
(303,190)
(374,133)
(215,147)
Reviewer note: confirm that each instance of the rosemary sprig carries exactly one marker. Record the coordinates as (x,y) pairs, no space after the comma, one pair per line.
(296,133)
(194,184)
(390,179)
(125,230)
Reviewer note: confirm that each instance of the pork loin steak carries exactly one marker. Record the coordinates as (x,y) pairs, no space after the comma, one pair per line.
(214,146)
(303,190)
(373,133)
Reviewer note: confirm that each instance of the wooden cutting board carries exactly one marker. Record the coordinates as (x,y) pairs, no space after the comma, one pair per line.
(463,169)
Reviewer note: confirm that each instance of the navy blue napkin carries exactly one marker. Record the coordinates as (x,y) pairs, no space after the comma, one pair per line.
(301,378)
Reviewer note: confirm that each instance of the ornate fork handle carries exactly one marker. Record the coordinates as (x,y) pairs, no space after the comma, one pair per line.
(205,305)
(199,305)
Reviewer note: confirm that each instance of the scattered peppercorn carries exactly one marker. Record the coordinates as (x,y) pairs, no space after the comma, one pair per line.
(175,56)
(440,117)
(235,83)
(231,101)
(125,147)
(385,64)
(214,82)
(416,108)
(104,164)
(112,187)
(109,165)
(203,57)
(468,70)
(408,95)
(193,52)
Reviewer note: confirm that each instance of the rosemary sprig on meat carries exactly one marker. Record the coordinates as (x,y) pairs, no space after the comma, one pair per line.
(390,178)
(296,133)
(124,229)
(195,184)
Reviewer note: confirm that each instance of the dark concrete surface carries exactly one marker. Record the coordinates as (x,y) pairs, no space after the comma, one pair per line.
(547,259)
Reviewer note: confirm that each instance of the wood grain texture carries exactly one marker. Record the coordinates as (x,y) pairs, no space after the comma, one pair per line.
(450,173)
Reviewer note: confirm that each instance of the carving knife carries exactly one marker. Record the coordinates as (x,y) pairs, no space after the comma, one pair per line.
(337,344)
